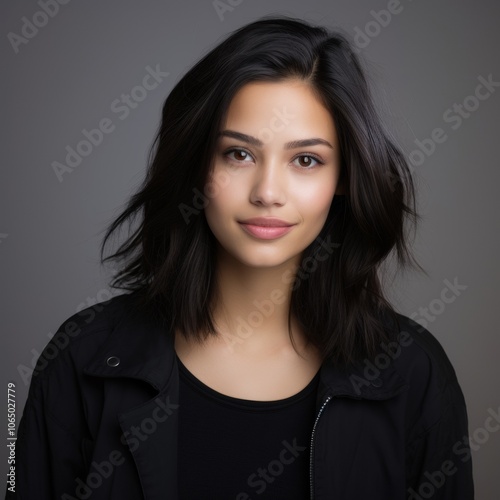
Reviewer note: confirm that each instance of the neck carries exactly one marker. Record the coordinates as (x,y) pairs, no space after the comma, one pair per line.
(252,305)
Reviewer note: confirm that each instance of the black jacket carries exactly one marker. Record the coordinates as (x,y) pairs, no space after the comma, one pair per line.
(101,417)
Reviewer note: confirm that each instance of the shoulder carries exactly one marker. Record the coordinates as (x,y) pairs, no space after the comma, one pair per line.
(434,390)
(56,383)
(80,335)
(423,352)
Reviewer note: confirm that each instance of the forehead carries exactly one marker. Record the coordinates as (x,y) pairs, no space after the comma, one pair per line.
(288,109)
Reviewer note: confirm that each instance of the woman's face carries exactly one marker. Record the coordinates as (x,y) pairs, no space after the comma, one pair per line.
(259,175)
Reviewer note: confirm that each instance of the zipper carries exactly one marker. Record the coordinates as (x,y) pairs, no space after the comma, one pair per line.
(312,444)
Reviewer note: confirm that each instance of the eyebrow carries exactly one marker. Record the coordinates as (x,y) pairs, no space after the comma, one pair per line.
(258,143)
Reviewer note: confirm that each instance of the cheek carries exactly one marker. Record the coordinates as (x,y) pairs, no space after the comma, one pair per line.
(222,205)
(314,198)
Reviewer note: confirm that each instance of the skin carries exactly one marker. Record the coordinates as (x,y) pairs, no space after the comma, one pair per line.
(265,180)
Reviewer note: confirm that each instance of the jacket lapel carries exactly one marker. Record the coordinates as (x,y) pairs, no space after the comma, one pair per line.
(139,348)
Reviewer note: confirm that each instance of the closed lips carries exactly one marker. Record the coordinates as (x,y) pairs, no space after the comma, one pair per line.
(266,223)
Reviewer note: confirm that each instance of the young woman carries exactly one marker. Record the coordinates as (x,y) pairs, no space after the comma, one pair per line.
(254,355)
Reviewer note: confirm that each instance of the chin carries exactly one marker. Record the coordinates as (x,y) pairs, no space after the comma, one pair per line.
(263,261)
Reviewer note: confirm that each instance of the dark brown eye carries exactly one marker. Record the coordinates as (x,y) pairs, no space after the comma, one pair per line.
(243,155)
(310,159)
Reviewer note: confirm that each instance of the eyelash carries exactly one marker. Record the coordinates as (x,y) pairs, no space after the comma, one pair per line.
(308,155)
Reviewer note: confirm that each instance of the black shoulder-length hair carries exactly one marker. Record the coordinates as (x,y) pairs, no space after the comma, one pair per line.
(169,258)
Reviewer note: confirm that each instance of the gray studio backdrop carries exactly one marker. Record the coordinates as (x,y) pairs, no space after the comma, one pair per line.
(67,64)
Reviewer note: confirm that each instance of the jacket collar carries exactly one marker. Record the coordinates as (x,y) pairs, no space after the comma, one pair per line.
(144,350)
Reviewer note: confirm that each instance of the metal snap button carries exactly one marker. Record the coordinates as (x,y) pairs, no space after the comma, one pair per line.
(113,361)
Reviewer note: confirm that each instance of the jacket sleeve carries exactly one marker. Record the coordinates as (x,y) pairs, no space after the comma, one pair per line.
(49,461)
(439,455)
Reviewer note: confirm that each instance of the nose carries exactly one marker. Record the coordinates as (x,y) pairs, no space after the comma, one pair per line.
(269,184)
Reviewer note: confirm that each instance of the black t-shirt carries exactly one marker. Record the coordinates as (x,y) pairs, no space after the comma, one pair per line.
(238,449)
